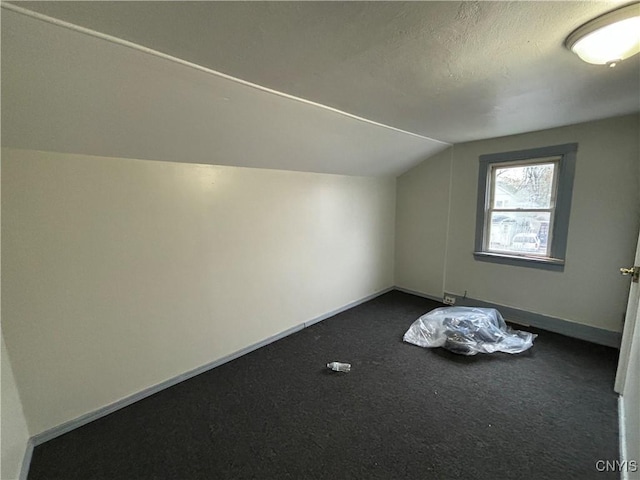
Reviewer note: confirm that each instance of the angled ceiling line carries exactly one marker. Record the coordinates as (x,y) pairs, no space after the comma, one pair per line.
(195,66)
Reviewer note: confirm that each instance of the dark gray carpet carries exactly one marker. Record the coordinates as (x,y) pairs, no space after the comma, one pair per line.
(402,412)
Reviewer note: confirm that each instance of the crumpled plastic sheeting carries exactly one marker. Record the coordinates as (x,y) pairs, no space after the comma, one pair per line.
(467,331)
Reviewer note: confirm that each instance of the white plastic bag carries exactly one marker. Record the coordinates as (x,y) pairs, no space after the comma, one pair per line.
(467,331)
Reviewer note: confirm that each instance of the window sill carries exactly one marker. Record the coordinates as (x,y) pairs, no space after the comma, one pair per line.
(545,263)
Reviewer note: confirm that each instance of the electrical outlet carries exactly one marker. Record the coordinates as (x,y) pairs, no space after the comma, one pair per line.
(449,300)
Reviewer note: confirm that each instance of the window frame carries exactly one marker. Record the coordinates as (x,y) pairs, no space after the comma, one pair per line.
(565,156)
(490,200)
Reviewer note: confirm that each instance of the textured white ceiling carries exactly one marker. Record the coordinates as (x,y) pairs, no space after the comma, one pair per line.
(451,71)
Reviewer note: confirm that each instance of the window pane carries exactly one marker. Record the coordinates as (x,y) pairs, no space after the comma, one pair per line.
(526,186)
(519,232)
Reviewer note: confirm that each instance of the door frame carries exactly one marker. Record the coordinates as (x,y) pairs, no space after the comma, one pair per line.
(630,321)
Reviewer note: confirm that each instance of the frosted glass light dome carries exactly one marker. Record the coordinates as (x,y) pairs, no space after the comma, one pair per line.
(608,39)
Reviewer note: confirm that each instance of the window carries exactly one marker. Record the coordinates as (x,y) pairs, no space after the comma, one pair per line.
(524,201)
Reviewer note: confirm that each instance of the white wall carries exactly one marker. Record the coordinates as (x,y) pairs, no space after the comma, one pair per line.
(119,274)
(603,227)
(14,426)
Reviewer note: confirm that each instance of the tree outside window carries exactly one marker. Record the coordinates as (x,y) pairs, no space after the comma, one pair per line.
(523,205)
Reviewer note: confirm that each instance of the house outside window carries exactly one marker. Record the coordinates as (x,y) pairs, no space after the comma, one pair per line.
(524,202)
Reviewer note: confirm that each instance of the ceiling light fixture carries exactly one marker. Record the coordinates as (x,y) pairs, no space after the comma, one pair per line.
(608,39)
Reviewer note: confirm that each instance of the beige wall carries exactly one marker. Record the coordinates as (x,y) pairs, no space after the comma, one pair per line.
(14,433)
(603,227)
(422,210)
(119,274)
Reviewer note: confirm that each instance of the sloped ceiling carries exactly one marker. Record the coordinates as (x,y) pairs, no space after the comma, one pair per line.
(65,91)
(443,72)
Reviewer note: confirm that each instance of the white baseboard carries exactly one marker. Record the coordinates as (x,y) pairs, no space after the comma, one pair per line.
(124,402)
